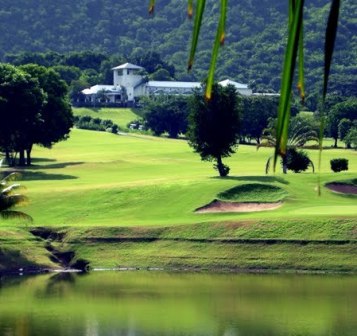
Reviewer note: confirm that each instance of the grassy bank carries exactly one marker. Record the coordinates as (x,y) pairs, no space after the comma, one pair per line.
(120,116)
(101,185)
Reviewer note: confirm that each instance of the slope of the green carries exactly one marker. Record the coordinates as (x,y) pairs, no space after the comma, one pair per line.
(130,201)
(101,179)
(253,192)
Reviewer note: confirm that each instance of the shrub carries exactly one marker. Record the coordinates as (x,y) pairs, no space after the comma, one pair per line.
(107,123)
(96,124)
(297,161)
(338,165)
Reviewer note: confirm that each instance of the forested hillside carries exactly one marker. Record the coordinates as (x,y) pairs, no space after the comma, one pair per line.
(253,52)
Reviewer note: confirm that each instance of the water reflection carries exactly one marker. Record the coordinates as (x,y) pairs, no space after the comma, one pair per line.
(145,304)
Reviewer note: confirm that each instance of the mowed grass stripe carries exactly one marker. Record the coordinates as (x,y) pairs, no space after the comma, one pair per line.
(97,178)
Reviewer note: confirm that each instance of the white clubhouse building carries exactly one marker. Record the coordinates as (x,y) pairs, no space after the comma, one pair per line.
(129,84)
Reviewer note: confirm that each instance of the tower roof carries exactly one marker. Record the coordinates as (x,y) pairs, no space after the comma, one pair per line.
(128,66)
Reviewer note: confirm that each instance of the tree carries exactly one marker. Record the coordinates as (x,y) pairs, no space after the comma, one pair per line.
(256,113)
(344,127)
(214,125)
(21,100)
(166,114)
(301,130)
(56,114)
(351,137)
(345,109)
(67,73)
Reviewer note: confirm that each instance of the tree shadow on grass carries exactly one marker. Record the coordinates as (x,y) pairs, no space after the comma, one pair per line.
(37,159)
(41,176)
(56,165)
(270,179)
(37,176)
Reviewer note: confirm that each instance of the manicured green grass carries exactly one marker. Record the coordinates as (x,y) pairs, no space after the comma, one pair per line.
(101,179)
(120,116)
(253,192)
(98,184)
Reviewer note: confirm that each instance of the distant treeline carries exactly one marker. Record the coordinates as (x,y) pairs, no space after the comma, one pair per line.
(255,42)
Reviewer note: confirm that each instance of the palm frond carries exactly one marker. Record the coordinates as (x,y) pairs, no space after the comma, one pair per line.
(11,188)
(301,82)
(295,23)
(190,8)
(151,6)
(330,38)
(11,177)
(267,165)
(219,40)
(200,8)
(7,202)
(10,214)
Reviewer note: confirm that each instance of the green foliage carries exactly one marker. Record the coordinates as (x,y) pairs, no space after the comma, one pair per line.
(9,198)
(346,109)
(351,137)
(56,114)
(344,127)
(297,160)
(253,192)
(256,113)
(214,125)
(21,100)
(302,129)
(255,37)
(338,165)
(166,114)
(96,124)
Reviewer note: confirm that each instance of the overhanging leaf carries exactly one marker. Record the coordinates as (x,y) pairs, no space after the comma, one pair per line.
(296,8)
(330,37)
(219,40)
(301,82)
(151,6)
(200,7)
(190,8)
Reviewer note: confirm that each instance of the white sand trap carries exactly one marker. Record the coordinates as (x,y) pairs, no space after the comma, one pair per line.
(220,206)
(342,188)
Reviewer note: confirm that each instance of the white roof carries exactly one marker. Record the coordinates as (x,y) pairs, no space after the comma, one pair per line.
(174,85)
(97,88)
(266,94)
(128,66)
(236,84)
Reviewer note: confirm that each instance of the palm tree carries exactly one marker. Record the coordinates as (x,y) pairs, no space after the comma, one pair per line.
(9,199)
(299,133)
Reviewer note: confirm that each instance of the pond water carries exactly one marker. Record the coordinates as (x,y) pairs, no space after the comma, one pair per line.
(158,303)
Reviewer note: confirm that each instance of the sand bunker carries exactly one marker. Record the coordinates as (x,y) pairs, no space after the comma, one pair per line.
(342,188)
(219,206)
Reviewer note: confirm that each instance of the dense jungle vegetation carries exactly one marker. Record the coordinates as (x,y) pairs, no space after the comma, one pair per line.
(253,53)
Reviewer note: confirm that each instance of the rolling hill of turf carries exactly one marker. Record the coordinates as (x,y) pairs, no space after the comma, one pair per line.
(99,188)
